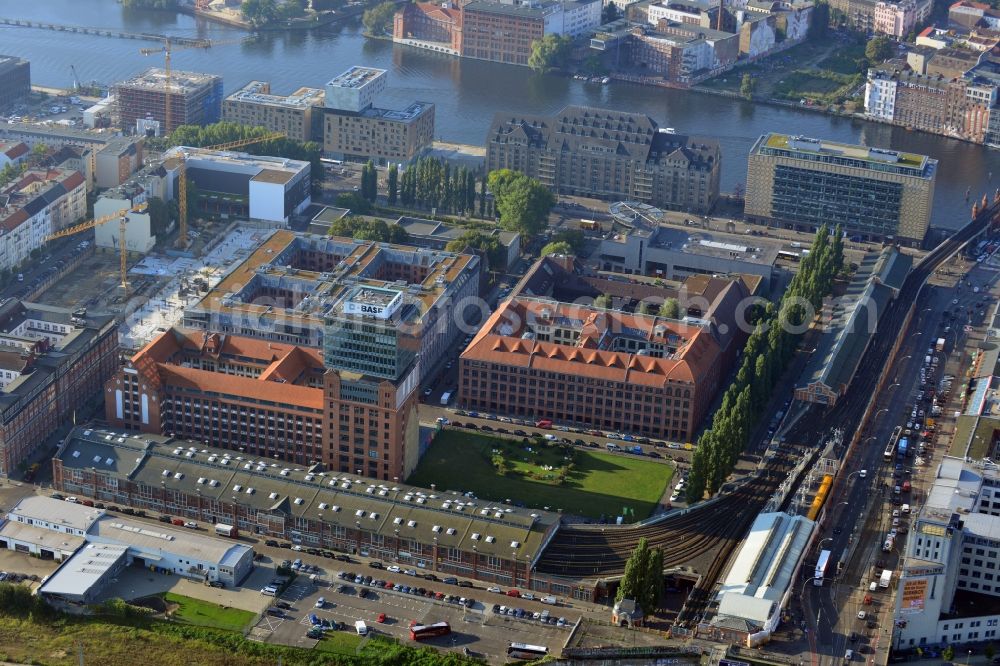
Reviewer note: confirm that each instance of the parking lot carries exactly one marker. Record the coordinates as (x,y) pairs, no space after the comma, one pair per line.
(476,628)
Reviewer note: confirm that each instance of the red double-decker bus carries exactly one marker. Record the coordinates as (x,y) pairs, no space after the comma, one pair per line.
(419,632)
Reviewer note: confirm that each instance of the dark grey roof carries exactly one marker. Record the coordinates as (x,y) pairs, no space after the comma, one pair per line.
(510,10)
(854,320)
(632,135)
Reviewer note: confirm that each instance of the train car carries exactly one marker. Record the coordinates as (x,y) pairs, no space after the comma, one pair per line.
(817,503)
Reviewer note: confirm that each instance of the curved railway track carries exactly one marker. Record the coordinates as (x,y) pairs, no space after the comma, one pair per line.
(588,551)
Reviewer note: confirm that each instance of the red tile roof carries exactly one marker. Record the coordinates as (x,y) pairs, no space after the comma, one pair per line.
(500,342)
(242,387)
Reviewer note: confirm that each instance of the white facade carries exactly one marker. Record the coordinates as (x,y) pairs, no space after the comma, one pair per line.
(658,11)
(581,17)
(356,89)
(953,549)
(138,229)
(267,201)
(880,96)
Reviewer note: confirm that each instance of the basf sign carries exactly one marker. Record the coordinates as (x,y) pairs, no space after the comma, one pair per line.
(372,302)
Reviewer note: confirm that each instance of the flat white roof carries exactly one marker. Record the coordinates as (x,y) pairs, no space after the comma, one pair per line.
(59,512)
(762,570)
(157,539)
(41,537)
(80,572)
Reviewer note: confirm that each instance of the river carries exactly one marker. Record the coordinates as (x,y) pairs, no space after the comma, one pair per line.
(466,92)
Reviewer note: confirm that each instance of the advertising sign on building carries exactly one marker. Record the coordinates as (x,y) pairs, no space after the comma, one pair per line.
(914,593)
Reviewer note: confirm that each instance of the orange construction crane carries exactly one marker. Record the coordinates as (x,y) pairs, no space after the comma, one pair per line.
(122,216)
(182,221)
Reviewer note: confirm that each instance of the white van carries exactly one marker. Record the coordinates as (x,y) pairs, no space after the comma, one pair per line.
(849,655)
(552,601)
(905,508)
(361,628)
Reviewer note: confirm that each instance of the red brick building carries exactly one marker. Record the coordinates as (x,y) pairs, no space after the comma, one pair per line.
(429,22)
(606,369)
(265,399)
(439,531)
(54,363)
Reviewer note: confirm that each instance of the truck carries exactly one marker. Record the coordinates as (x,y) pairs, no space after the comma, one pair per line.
(445,398)
(885,579)
(939,346)
(226,530)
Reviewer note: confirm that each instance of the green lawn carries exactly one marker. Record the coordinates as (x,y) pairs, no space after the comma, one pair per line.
(599,484)
(208,614)
(341,642)
(804,84)
(845,59)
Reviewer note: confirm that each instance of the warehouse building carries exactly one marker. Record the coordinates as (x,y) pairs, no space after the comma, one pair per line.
(441,531)
(195,99)
(48,528)
(86,575)
(804,183)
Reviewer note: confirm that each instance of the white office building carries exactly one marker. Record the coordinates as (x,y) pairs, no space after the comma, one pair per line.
(949,586)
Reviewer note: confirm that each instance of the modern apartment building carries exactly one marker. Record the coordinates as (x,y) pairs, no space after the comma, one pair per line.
(293,115)
(34,206)
(15,80)
(804,183)
(949,582)
(354,129)
(195,99)
(430,530)
(608,154)
(54,362)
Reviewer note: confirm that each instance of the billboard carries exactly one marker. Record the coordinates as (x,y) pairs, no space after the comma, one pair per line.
(914,593)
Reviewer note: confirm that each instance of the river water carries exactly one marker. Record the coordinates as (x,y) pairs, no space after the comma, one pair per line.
(466,92)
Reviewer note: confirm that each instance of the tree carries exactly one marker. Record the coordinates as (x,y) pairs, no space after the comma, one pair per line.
(557,247)
(819,26)
(652,583)
(378,19)
(360,228)
(159,215)
(351,201)
(496,253)
(482,196)
(878,49)
(610,13)
(746,87)
(990,651)
(38,152)
(549,53)
(671,308)
(523,202)
(369,181)
(603,301)
(259,12)
(948,653)
(392,185)
(635,572)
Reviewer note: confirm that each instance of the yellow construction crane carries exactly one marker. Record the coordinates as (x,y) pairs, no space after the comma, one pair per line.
(122,216)
(182,221)
(167,50)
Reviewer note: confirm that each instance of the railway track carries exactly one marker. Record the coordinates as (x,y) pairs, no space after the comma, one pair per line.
(588,551)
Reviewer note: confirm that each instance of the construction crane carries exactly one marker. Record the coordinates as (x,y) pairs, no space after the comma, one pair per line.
(167,50)
(76,79)
(122,216)
(182,222)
